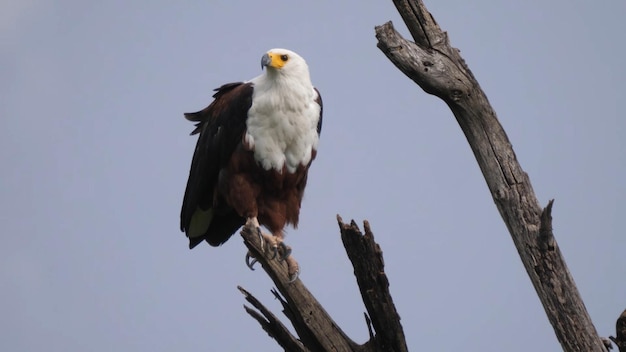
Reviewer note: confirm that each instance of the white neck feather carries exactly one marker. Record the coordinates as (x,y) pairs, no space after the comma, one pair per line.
(282,121)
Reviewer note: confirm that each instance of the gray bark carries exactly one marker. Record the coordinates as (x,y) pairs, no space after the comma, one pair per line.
(315,328)
(438,69)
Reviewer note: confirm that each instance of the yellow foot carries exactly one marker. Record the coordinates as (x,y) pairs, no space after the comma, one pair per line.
(252,224)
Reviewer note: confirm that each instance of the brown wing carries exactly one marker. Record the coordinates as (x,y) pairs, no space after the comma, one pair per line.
(221,127)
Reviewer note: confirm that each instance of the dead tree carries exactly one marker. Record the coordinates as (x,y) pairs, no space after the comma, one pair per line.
(437,67)
(316,329)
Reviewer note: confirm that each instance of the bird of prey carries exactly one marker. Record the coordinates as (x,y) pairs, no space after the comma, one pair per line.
(257,140)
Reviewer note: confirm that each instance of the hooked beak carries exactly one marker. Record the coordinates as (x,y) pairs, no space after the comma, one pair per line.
(265,60)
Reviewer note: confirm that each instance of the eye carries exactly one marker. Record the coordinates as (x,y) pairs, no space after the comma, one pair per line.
(284,57)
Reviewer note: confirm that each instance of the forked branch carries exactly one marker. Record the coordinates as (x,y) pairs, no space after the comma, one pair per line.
(315,328)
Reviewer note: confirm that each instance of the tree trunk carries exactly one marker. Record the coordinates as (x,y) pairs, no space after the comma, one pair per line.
(438,69)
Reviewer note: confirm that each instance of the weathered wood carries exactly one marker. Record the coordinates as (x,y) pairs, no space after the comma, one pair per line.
(315,328)
(374,285)
(271,324)
(438,69)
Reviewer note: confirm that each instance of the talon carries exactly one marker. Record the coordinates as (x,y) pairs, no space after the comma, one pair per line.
(250,263)
(261,239)
(275,253)
(286,251)
(292,268)
(293,277)
(251,224)
(271,242)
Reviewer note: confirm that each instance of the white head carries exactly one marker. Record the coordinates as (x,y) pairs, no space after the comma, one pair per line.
(283,62)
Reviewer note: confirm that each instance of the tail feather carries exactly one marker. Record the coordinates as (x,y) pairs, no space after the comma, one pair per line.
(220,228)
(194,241)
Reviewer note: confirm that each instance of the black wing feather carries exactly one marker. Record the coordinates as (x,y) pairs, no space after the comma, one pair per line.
(221,127)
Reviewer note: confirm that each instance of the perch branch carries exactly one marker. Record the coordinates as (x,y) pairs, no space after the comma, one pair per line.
(315,328)
(438,69)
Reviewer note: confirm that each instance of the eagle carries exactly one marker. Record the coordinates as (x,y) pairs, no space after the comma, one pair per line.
(257,140)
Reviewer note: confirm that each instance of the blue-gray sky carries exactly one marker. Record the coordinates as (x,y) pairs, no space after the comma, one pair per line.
(95,153)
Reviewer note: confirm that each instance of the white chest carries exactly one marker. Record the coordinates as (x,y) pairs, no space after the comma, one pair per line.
(282,129)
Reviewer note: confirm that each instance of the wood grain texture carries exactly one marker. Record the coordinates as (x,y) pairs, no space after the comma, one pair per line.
(369,269)
(438,69)
(315,328)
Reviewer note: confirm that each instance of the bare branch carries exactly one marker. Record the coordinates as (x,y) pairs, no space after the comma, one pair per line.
(271,324)
(374,285)
(315,328)
(437,68)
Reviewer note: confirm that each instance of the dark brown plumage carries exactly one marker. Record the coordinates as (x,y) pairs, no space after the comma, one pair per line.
(225,176)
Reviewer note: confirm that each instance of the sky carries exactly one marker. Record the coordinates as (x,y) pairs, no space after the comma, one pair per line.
(95,154)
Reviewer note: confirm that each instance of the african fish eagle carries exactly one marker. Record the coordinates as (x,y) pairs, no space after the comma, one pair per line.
(257,141)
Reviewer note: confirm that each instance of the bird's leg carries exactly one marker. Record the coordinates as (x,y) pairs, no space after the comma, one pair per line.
(252,224)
